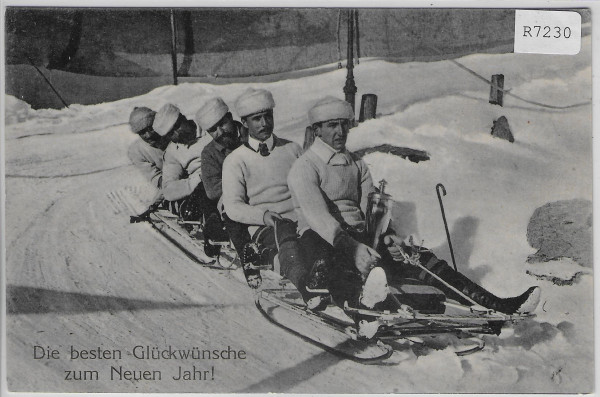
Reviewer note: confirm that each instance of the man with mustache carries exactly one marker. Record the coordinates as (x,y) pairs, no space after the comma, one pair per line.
(255,191)
(227,135)
(182,175)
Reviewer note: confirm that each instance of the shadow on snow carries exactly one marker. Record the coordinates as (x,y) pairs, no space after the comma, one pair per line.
(31,300)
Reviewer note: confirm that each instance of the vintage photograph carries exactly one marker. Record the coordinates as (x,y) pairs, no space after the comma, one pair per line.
(298,200)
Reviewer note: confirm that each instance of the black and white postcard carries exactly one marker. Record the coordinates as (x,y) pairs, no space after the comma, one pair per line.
(392,198)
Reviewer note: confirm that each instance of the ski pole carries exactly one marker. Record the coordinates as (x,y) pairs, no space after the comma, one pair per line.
(437,189)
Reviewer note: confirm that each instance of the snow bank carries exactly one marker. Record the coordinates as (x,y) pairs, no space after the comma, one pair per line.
(16,111)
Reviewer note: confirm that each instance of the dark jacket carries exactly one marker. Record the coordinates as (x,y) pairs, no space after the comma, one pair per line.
(212,159)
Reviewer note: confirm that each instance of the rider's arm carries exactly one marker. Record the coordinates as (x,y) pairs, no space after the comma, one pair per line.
(175,183)
(304,184)
(144,162)
(211,173)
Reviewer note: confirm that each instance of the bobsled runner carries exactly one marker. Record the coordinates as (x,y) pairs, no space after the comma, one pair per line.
(334,330)
(187,236)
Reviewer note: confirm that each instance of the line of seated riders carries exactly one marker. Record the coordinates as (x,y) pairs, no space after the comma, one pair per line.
(268,197)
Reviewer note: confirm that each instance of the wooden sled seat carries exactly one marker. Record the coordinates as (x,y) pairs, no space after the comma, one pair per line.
(422,297)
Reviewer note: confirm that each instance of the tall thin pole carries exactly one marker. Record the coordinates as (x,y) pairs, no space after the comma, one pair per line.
(350,87)
(173,48)
(441,187)
(339,41)
(357,37)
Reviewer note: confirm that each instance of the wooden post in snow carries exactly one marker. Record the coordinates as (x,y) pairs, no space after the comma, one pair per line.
(368,107)
(496,90)
(173,48)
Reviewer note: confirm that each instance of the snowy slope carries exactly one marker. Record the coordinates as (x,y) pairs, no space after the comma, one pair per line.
(79,274)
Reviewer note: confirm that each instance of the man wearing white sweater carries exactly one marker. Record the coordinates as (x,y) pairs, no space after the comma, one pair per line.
(330,188)
(255,191)
(147,153)
(181,166)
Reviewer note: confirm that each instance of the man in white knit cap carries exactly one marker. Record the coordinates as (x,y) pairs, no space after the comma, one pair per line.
(330,188)
(146,153)
(255,191)
(227,135)
(182,175)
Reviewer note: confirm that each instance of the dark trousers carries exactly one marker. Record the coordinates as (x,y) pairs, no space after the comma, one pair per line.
(197,206)
(192,207)
(294,264)
(298,260)
(345,281)
(238,234)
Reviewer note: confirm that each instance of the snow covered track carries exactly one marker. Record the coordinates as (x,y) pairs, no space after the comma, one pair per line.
(79,274)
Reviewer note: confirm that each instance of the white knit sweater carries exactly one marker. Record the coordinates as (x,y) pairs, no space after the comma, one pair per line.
(181,168)
(148,159)
(327,196)
(253,184)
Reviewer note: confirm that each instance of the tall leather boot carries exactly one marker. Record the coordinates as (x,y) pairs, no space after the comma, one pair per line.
(292,266)
(524,303)
(313,283)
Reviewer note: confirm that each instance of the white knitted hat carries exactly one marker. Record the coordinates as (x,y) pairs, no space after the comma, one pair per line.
(211,112)
(330,108)
(165,119)
(254,101)
(141,118)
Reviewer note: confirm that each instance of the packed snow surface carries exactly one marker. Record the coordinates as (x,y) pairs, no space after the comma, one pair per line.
(78,274)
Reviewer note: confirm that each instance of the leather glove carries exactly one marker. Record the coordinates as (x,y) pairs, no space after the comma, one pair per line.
(364,257)
(269,218)
(394,244)
(195,179)
(400,248)
(144,216)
